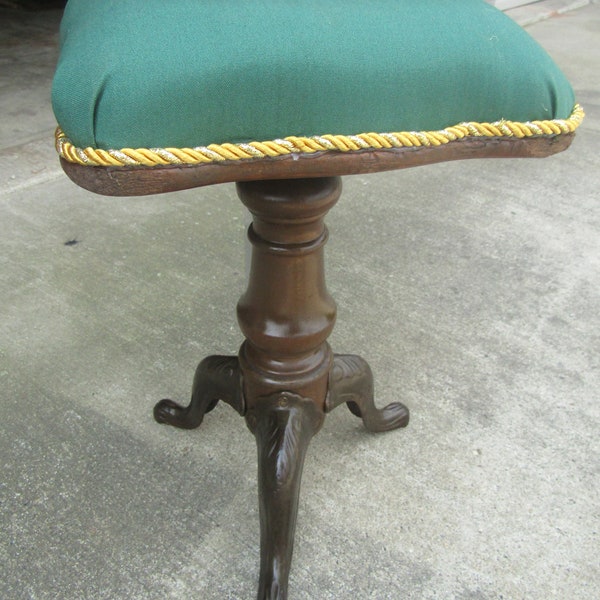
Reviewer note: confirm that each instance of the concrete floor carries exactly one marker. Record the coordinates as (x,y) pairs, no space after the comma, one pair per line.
(472,288)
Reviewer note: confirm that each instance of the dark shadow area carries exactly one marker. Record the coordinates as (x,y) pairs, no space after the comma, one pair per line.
(32,5)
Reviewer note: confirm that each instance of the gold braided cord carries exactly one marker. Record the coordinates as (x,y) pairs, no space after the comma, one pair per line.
(151,157)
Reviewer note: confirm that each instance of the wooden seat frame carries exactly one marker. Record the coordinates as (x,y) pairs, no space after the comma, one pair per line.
(286,378)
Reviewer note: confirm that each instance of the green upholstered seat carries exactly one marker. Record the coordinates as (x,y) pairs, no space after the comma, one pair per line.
(150,73)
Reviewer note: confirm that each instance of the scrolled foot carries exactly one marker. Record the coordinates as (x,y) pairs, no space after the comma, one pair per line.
(351,381)
(217,378)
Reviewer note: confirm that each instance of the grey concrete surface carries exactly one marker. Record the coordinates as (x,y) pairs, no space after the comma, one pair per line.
(536,11)
(472,288)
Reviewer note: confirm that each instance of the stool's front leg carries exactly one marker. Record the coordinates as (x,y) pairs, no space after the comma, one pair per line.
(283,425)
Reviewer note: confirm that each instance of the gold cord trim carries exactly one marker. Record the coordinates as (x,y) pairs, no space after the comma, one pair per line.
(151,157)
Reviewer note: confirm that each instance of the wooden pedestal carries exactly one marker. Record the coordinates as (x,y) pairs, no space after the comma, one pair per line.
(286,377)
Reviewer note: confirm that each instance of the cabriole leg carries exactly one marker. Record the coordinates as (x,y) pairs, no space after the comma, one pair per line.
(283,425)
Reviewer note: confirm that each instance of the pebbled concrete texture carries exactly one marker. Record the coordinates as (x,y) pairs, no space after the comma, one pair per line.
(472,288)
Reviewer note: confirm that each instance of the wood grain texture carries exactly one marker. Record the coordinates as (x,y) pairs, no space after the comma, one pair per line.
(140,181)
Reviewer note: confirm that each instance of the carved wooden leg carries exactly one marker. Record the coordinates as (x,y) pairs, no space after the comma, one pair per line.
(217,378)
(351,381)
(283,424)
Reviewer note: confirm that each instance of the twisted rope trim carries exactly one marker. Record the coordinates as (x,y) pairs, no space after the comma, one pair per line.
(151,157)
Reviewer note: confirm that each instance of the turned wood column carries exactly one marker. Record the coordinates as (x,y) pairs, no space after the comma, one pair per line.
(286,313)
(286,316)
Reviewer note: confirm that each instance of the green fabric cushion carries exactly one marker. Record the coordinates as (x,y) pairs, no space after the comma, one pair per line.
(150,73)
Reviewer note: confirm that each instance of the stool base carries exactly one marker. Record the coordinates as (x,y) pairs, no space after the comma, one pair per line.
(283,424)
